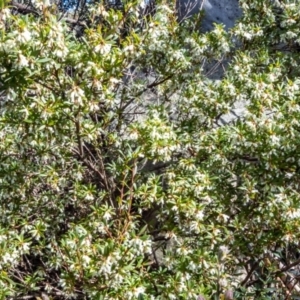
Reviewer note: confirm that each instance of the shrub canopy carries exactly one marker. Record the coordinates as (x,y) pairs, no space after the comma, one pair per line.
(118,179)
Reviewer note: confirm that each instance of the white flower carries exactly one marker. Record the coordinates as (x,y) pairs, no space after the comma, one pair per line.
(22,61)
(223,252)
(76,95)
(118,279)
(293,213)
(129,48)
(107,216)
(100,228)
(194,227)
(4,14)
(192,266)
(24,36)
(290,35)
(10,257)
(89,196)
(102,11)
(103,49)
(25,247)
(222,218)
(41,3)
(61,52)
(138,291)
(183,250)
(199,215)
(3,238)
(106,266)
(46,3)
(247,35)
(78,175)
(274,140)
(86,260)
(7,258)
(167,9)
(114,81)
(147,246)
(133,135)
(223,282)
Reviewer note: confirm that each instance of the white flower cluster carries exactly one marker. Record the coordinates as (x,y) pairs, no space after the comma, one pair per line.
(161,137)
(76,95)
(135,292)
(138,246)
(4,16)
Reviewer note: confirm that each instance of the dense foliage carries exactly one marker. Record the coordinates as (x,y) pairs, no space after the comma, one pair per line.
(118,179)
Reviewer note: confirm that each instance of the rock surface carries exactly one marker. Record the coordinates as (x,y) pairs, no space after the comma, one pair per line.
(225,12)
(216,11)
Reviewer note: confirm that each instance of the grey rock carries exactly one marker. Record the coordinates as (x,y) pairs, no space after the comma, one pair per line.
(216,11)
(225,12)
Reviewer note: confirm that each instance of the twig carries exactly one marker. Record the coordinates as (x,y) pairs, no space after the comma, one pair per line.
(253,268)
(22,8)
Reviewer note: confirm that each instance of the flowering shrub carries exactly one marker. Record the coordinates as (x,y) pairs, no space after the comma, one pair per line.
(117,180)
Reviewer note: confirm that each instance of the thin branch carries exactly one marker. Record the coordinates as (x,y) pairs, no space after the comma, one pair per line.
(253,268)
(22,8)
(288,267)
(79,140)
(149,86)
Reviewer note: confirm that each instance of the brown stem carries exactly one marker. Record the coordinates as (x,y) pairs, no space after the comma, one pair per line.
(253,268)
